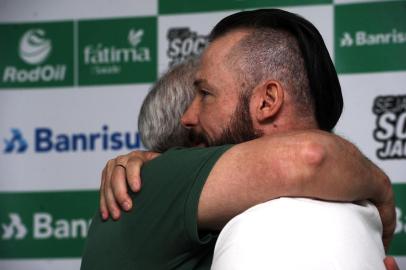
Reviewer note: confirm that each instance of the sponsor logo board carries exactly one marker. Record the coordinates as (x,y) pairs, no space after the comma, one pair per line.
(184,6)
(36,55)
(184,43)
(370,37)
(33,222)
(47,140)
(398,244)
(117,51)
(390,128)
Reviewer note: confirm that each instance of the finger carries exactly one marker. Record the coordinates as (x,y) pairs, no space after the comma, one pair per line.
(119,188)
(151,155)
(111,203)
(391,264)
(102,203)
(109,171)
(388,217)
(133,172)
(112,206)
(122,160)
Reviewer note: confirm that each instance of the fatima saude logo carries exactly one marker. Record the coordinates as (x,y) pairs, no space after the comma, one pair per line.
(108,59)
(15,229)
(34,46)
(16,143)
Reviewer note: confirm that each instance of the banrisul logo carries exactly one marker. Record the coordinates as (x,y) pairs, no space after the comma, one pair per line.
(36,55)
(184,43)
(14,229)
(363,38)
(16,143)
(48,140)
(117,51)
(398,244)
(390,128)
(31,223)
(370,37)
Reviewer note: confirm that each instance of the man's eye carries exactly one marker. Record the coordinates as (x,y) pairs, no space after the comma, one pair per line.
(203,92)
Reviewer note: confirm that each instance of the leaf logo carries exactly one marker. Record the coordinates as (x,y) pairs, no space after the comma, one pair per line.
(135,37)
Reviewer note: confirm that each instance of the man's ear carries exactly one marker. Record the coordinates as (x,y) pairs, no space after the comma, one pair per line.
(270,97)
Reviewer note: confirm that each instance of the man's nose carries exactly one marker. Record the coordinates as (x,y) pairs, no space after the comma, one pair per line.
(190,116)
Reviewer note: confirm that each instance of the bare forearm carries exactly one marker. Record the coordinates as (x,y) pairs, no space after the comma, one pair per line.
(301,164)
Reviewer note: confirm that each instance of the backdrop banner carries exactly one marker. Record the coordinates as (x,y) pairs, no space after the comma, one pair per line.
(73,75)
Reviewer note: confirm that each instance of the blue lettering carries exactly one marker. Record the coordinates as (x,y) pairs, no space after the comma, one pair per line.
(136,143)
(93,138)
(46,140)
(77,138)
(105,137)
(117,144)
(43,141)
(62,143)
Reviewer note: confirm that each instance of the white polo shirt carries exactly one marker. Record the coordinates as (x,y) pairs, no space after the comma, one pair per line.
(301,234)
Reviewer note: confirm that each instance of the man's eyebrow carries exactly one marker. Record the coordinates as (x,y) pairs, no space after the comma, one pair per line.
(202,83)
(198,82)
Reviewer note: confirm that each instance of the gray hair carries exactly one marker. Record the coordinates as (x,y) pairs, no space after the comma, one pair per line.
(273,54)
(163,107)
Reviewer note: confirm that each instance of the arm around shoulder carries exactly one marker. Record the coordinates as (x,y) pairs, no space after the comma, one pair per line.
(308,163)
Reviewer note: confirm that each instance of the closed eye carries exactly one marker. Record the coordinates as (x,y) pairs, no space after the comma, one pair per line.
(203,92)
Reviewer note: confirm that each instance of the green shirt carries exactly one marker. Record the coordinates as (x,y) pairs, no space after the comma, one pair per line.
(160,232)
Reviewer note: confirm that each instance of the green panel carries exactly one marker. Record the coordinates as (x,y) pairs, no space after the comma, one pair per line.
(36,54)
(117,51)
(398,245)
(370,37)
(185,6)
(45,224)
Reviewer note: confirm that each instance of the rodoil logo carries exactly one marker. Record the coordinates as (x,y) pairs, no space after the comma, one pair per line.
(34,46)
(42,57)
(47,140)
(34,49)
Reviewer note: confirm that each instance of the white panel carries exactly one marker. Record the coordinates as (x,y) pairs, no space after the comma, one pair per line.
(322,17)
(358,1)
(401,260)
(67,111)
(62,264)
(200,23)
(45,10)
(358,121)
